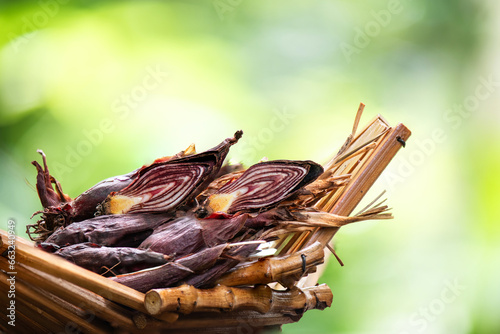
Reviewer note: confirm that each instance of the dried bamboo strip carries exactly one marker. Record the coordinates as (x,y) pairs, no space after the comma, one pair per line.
(116,315)
(361,148)
(84,318)
(34,296)
(30,315)
(56,266)
(28,318)
(367,176)
(355,191)
(292,240)
(23,324)
(351,135)
(378,128)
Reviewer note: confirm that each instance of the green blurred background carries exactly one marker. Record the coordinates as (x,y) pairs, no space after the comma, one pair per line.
(106,86)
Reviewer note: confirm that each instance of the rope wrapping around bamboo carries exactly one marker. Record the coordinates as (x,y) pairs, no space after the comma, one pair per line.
(273,269)
(261,298)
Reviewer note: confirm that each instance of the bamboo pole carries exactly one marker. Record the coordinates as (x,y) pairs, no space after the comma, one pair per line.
(374,133)
(34,296)
(116,315)
(261,298)
(274,269)
(56,266)
(187,299)
(28,318)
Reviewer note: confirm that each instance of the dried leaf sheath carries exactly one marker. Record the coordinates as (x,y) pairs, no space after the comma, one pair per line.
(261,298)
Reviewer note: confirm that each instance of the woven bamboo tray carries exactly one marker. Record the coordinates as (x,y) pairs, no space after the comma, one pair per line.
(53,295)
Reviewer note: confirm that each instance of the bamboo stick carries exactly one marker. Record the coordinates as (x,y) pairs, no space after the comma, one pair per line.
(354,192)
(23,324)
(361,149)
(53,265)
(35,297)
(249,321)
(29,318)
(187,299)
(360,185)
(261,298)
(374,132)
(30,315)
(274,269)
(97,305)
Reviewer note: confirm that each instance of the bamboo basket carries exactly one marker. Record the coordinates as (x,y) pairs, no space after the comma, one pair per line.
(54,295)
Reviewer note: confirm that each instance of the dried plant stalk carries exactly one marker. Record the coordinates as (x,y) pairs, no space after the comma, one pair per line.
(344,202)
(261,298)
(56,266)
(34,296)
(355,191)
(29,318)
(274,269)
(101,307)
(248,320)
(325,219)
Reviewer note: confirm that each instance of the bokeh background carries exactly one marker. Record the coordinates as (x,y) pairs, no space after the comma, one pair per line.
(106,86)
